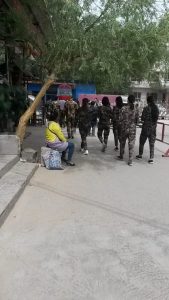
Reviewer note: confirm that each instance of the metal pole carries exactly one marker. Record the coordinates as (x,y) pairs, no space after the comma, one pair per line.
(7,62)
(163,131)
(44,110)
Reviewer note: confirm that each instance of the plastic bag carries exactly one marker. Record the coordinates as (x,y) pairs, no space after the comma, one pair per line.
(52,160)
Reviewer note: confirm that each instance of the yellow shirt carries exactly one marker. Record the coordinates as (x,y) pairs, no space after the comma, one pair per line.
(55,133)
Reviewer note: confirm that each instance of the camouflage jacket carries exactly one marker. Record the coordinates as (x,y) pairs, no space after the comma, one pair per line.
(55,106)
(116,116)
(71,109)
(83,117)
(128,119)
(105,114)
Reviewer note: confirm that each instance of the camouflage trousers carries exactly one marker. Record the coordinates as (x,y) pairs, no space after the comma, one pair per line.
(131,136)
(62,118)
(84,133)
(151,136)
(70,127)
(103,133)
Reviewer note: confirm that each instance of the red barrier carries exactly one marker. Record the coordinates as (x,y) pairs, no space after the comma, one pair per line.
(166,154)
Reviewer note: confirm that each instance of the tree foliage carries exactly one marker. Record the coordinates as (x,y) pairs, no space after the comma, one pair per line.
(109,42)
(109,45)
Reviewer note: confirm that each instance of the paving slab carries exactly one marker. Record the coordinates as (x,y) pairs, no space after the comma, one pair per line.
(7,162)
(12,185)
(99,231)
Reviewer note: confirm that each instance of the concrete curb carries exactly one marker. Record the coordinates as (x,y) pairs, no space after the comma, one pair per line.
(8,164)
(12,186)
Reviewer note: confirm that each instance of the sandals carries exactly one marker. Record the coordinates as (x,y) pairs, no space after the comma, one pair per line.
(68,163)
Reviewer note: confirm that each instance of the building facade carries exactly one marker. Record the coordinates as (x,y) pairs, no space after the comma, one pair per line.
(24,30)
(143,89)
(25,27)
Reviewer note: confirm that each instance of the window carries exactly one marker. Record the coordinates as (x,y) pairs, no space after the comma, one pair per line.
(2,53)
(137,96)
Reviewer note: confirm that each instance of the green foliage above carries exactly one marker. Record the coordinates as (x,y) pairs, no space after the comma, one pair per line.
(120,41)
(109,42)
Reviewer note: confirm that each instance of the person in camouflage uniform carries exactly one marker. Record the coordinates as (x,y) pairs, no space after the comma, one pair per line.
(149,118)
(116,123)
(129,117)
(105,114)
(70,112)
(93,117)
(56,108)
(62,112)
(84,124)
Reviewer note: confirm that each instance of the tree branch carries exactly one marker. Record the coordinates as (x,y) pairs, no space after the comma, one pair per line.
(99,17)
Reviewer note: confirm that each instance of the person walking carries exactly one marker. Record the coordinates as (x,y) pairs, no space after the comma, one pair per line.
(105,115)
(116,123)
(70,112)
(56,140)
(149,118)
(84,124)
(129,117)
(62,112)
(93,117)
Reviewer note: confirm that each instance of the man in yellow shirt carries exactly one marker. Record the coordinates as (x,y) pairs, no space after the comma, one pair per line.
(56,140)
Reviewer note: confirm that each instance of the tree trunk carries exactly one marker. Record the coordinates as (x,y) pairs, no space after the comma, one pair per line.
(30,111)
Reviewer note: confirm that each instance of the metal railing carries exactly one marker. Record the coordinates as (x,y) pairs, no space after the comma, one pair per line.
(163,132)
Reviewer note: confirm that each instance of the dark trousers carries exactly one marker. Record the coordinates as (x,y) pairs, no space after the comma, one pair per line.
(103,133)
(69,151)
(151,136)
(62,118)
(93,127)
(117,133)
(84,133)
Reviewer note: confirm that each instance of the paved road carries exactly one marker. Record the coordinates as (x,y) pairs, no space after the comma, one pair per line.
(99,231)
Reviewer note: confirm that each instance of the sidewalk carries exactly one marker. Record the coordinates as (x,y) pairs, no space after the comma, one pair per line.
(35,139)
(99,231)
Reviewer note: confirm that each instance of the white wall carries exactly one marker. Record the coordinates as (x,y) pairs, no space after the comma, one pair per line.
(144,92)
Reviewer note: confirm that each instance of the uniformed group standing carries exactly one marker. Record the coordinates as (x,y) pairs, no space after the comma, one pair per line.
(123,119)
